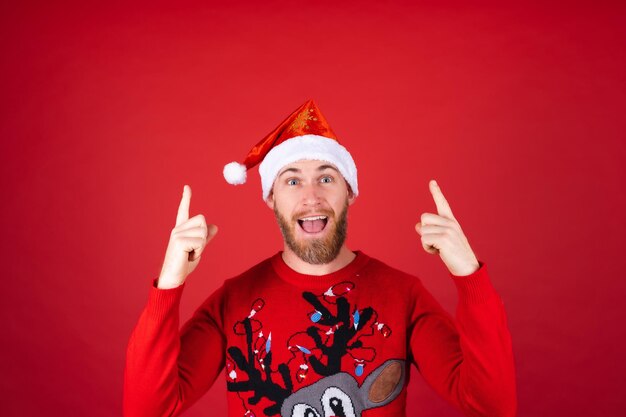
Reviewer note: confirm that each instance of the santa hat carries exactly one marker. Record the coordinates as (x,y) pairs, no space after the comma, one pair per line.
(304,134)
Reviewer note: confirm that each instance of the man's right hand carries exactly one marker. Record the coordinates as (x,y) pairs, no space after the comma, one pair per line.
(187,241)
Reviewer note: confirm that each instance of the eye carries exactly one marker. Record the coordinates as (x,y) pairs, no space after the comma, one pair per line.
(337,403)
(292,181)
(327,179)
(304,410)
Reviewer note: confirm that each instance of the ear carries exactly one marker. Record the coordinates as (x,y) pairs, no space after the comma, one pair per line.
(270,200)
(384,384)
(351,196)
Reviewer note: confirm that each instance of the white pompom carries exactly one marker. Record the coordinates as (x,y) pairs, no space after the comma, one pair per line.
(235,173)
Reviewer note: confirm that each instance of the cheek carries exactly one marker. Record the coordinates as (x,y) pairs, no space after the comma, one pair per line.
(339,204)
(285,208)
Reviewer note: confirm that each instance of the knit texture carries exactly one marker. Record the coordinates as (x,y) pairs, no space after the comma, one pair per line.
(340,344)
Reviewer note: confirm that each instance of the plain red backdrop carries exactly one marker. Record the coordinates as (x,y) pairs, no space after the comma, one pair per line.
(109,109)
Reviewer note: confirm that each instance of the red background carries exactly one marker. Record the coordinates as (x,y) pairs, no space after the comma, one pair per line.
(107,110)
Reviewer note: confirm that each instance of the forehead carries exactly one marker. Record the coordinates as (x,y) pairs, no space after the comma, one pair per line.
(308,165)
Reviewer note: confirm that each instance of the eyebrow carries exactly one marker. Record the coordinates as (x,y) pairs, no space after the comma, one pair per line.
(297,170)
(323,167)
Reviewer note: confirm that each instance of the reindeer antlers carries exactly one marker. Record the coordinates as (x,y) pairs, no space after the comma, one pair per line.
(343,334)
(261,387)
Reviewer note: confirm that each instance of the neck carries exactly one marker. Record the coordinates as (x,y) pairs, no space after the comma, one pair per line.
(344,257)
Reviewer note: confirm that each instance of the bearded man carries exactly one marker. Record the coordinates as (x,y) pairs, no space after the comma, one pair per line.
(318,330)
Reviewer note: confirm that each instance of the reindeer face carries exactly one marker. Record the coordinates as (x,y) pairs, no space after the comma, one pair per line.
(339,393)
(327,397)
(340,396)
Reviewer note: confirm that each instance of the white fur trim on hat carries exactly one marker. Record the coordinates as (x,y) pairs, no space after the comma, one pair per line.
(235,173)
(311,147)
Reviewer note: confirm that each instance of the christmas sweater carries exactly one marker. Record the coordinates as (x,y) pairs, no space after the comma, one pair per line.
(341,344)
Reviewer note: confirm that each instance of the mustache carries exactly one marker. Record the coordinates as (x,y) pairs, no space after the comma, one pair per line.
(306,213)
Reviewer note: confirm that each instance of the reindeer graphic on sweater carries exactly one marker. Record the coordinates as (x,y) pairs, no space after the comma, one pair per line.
(336,332)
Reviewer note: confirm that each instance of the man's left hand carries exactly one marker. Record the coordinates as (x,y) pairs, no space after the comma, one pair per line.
(441,234)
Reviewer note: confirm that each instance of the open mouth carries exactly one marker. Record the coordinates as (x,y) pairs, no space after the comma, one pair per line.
(313,224)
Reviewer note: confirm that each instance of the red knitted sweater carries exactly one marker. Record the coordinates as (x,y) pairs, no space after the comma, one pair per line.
(340,345)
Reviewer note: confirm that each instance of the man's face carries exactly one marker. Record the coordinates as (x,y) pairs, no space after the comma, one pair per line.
(310,200)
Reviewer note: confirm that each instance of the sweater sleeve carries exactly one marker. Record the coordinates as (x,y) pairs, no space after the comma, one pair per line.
(168,369)
(469,362)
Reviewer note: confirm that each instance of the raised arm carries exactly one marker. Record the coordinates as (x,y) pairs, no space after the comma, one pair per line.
(167,368)
(469,362)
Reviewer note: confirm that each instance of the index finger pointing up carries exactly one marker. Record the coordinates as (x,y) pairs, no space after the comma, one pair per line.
(183,208)
(443,208)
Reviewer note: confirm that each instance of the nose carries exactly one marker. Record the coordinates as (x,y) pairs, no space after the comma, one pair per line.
(311,195)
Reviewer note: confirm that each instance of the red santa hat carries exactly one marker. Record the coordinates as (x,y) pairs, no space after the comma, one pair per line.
(304,134)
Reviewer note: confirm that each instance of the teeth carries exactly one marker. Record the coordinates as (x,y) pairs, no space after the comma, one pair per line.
(305,219)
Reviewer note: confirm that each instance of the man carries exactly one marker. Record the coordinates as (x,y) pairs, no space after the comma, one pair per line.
(318,330)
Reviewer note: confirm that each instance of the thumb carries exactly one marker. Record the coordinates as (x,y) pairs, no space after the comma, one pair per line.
(197,253)
(212,231)
(418,228)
